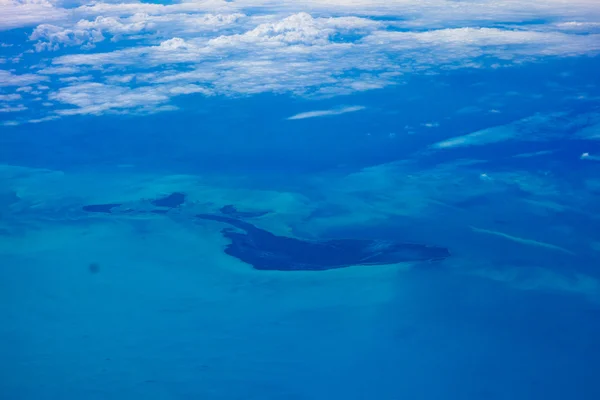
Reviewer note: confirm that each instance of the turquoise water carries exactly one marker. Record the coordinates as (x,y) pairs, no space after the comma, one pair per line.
(498,164)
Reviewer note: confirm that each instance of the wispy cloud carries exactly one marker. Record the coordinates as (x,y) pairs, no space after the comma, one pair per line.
(589,157)
(7,78)
(325,113)
(12,109)
(97,98)
(538,127)
(534,154)
(591,132)
(520,240)
(10,97)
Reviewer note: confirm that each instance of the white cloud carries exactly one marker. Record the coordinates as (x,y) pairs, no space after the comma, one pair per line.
(577,26)
(174,50)
(51,37)
(255,46)
(534,154)
(298,54)
(589,157)
(517,129)
(11,109)
(44,119)
(70,79)
(97,98)
(58,70)
(539,127)
(7,78)
(443,46)
(296,29)
(413,12)
(20,13)
(482,137)
(269,38)
(189,89)
(87,33)
(325,113)
(289,35)
(301,38)
(10,97)
(133,7)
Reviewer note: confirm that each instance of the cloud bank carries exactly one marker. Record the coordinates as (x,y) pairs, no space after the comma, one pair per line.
(145,54)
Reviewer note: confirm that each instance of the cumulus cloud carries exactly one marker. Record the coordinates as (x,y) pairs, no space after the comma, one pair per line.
(412,12)
(20,13)
(302,54)
(87,33)
(244,47)
(325,113)
(51,37)
(299,28)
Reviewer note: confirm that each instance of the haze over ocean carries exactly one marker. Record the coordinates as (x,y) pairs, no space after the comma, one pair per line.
(318,199)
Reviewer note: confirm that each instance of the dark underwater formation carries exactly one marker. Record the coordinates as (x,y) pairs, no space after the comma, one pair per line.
(267,251)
